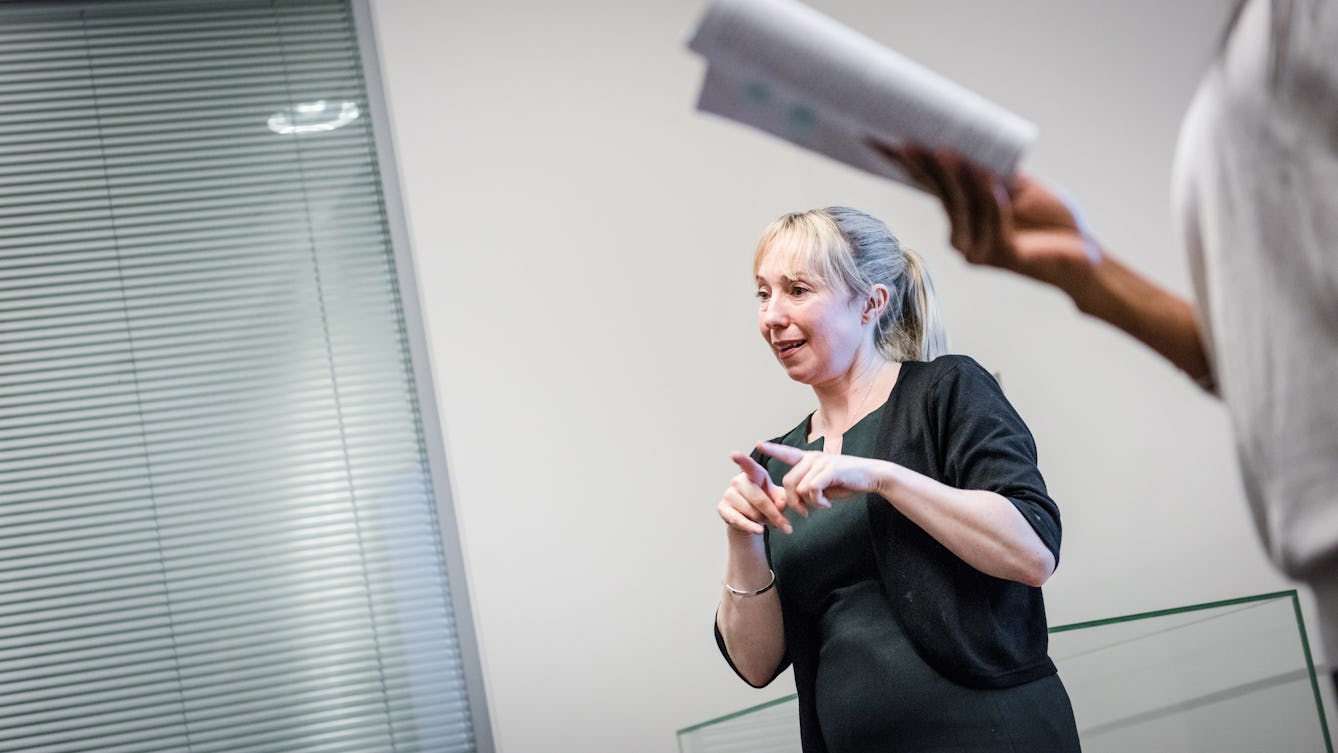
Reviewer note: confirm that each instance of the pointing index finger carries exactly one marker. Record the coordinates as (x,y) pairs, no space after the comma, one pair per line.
(773,498)
(781,452)
(755,472)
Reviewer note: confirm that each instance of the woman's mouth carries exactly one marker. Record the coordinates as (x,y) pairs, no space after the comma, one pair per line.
(786,348)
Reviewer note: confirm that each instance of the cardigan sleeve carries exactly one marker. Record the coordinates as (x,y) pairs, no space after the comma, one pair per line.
(956,426)
(984,444)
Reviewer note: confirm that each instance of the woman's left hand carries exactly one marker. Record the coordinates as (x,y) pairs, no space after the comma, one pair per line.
(817,478)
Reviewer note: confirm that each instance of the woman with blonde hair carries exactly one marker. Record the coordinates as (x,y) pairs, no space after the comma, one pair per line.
(892,545)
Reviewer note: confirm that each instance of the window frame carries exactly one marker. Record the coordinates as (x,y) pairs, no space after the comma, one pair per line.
(424,384)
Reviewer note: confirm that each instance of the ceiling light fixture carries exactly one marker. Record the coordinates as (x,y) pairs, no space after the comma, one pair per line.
(313,117)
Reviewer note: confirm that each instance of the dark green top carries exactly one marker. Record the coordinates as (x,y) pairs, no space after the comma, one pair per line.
(872,691)
(896,643)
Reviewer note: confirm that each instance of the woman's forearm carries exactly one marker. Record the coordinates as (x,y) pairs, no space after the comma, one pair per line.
(981,527)
(752,626)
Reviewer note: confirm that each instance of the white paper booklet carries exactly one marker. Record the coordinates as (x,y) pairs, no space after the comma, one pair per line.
(781,66)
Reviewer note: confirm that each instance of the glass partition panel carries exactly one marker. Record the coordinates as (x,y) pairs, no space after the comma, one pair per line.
(1229,676)
(771,727)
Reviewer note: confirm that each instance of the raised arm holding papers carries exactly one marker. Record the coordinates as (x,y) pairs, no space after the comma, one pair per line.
(786,69)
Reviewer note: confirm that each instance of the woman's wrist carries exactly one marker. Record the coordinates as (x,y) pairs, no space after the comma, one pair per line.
(889,480)
(737,537)
(746,546)
(749,592)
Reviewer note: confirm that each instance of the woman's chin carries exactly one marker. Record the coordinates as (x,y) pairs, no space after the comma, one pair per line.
(798,373)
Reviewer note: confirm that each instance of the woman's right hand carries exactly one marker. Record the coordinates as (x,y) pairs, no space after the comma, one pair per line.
(751,501)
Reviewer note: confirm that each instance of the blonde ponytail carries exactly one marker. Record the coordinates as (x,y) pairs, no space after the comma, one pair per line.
(921,321)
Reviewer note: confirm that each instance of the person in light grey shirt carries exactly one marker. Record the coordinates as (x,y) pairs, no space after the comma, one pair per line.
(1256,198)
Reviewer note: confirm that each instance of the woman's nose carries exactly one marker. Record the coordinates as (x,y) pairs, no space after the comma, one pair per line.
(774,314)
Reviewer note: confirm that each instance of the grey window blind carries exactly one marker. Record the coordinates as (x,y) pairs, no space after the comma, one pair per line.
(217,524)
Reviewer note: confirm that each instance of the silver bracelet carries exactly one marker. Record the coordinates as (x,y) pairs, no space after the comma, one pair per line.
(758,592)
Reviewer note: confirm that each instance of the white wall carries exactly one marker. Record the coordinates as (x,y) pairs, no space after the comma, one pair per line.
(583,240)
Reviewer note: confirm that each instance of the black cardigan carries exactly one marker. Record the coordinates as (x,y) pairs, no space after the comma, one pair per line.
(949,420)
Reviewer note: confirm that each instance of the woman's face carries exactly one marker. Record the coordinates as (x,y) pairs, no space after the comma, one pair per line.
(814,330)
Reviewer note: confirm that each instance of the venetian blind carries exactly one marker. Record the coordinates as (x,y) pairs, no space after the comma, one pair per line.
(217,523)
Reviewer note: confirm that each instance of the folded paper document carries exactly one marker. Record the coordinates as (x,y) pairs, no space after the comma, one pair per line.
(785,68)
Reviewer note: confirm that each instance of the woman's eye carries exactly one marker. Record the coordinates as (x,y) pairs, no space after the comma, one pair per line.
(798,290)
(763,295)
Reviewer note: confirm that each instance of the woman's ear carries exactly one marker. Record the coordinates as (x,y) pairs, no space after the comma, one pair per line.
(875,303)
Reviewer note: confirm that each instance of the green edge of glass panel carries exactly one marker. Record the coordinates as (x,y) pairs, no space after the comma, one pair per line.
(1177,610)
(1310,664)
(737,714)
(1291,594)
